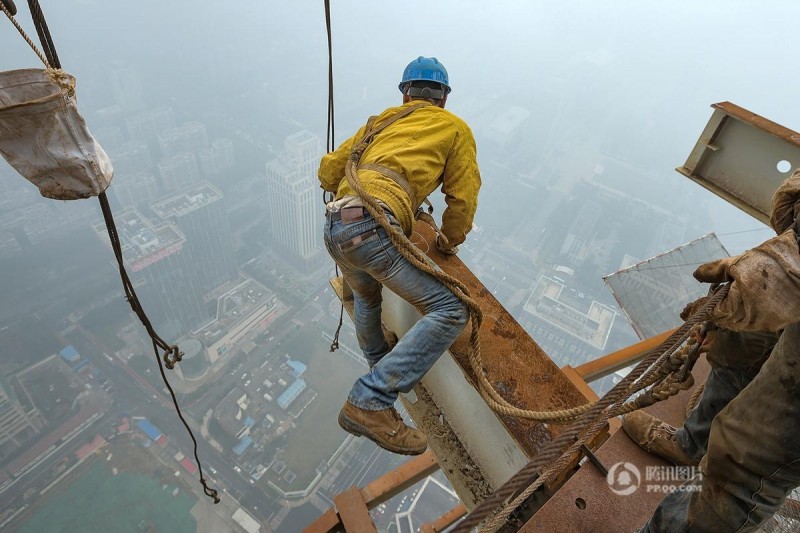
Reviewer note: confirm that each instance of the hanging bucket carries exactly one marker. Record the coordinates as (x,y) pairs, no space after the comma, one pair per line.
(44,137)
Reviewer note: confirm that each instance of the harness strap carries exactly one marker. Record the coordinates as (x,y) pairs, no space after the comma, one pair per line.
(394,176)
(369,134)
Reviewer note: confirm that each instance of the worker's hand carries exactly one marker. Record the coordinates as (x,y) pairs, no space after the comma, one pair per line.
(716,271)
(445,248)
(764,293)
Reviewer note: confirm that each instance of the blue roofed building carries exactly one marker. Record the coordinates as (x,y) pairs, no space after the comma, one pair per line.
(297,367)
(70,354)
(244,443)
(248,422)
(149,429)
(291,393)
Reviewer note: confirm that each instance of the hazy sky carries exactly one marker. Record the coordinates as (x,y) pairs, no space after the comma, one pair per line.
(659,62)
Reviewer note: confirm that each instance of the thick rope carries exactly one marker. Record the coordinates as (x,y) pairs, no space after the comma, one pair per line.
(25,35)
(692,403)
(171,353)
(560,453)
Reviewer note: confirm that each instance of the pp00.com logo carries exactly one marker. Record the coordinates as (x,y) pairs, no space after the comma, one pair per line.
(624,478)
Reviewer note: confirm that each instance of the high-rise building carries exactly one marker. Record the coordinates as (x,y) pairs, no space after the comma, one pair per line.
(127,88)
(146,126)
(16,424)
(178,171)
(138,187)
(294,198)
(186,138)
(217,157)
(131,157)
(199,212)
(162,271)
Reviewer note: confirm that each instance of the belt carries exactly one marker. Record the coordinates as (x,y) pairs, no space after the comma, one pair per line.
(348,215)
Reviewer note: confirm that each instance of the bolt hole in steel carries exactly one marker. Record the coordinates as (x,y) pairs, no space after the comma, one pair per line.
(580,503)
(783,166)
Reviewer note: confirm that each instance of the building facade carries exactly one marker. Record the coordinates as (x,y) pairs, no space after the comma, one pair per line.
(296,210)
(162,270)
(199,212)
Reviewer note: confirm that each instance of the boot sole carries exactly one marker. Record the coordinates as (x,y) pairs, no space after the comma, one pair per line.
(358,430)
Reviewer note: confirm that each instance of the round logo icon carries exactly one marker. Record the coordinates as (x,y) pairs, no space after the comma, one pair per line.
(623,478)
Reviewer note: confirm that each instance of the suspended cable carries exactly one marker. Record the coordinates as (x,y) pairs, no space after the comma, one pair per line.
(331,146)
(171,353)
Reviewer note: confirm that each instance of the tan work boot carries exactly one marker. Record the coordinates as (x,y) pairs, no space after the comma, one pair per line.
(655,436)
(385,428)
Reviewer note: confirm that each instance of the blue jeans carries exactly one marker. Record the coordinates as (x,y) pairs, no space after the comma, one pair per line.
(752,460)
(368,260)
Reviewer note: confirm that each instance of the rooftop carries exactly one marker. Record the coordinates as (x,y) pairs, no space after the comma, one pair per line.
(234,307)
(186,201)
(142,242)
(585,319)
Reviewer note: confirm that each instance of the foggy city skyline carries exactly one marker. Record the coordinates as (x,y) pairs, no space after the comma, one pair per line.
(214,117)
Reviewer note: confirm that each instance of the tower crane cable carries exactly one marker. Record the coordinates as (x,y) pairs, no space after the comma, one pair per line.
(171,353)
(331,146)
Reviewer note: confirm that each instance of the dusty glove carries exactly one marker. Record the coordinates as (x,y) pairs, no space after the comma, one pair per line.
(444,247)
(786,203)
(765,286)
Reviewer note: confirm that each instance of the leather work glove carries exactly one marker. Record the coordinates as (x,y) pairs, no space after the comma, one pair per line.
(445,248)
(765,286)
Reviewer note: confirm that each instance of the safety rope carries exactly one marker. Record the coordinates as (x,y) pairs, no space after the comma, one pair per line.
(562,451)
(695,397)
(171,353)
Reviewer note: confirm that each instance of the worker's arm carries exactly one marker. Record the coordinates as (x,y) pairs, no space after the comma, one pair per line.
(331,168)
(460,185)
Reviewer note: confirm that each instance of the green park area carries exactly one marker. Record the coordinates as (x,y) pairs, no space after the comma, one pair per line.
(127,502)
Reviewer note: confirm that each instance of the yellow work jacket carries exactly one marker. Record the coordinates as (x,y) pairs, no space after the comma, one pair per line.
(431,147)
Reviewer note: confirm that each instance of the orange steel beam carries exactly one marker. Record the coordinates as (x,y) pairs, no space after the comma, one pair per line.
(445,521)
(603,366)
(382,489)
(399,479)
(353,511)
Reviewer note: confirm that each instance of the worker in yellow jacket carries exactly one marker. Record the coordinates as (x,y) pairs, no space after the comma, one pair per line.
(426,148)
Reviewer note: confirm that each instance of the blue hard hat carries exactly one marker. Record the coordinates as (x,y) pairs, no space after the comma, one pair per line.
(427,69)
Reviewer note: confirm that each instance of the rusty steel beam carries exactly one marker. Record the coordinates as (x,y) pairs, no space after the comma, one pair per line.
(608,364)
(445,521)
(517,367)
(586,503)
(742,158)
